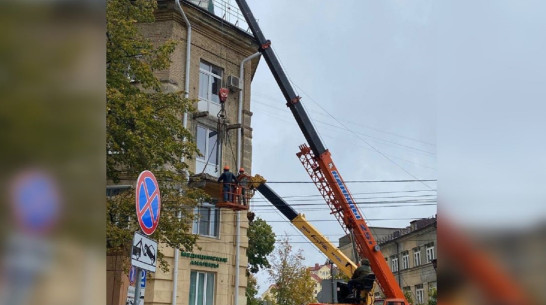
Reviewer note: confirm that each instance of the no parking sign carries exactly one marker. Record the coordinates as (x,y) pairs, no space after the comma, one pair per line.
(36,201)
(148,202)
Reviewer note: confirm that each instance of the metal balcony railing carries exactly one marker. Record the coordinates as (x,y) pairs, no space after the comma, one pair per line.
(228,10)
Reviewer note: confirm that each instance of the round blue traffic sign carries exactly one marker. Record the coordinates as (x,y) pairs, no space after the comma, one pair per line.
(148,202)
(36,201)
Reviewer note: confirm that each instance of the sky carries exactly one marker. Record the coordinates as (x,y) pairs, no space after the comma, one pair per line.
(405,90)
(360,68)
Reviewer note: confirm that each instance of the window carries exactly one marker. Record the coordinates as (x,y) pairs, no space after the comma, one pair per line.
(405,260)
(419,294)
(210,82)
(416,257)
(201,288)
(207,220)
(394,264)
(430,253)
(207,144)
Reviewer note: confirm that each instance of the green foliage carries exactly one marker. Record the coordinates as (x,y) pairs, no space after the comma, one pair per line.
(293,282)
(252,291)
(408,296)
(432,296)
(144,130)
(261,242)
(143,123)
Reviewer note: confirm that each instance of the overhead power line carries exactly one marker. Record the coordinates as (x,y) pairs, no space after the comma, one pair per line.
(385,141)
(362,181)
(365,193)
(319,198)
(271,98)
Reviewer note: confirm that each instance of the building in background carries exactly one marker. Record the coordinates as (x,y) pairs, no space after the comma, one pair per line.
(220,41)
(319,273)
(410,252)
(267,296)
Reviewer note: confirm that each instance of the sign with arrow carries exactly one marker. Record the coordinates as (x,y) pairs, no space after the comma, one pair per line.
(144,252)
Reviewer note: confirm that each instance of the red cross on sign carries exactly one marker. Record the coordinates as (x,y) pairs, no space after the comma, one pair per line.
(148,202)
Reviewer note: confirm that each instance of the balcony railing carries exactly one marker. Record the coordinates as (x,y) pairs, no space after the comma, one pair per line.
(228,10)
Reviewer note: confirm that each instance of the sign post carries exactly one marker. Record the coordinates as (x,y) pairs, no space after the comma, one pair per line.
(148,208)
(131,289)
(137,286)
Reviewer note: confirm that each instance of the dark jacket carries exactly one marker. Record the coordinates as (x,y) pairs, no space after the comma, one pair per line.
(361,272)
(227,177)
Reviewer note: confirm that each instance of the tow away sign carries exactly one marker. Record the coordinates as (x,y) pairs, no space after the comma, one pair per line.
(144,252)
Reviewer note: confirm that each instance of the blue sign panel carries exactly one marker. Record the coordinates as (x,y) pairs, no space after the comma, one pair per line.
(148,202)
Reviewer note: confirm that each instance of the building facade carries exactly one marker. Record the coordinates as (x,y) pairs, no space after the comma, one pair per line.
(215,272)
(319,273)
(411,254)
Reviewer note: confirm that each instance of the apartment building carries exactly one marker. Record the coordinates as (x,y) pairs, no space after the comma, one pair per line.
(221,47)
(411,254)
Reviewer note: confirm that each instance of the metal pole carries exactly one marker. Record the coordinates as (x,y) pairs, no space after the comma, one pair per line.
(334,290)
(137,285)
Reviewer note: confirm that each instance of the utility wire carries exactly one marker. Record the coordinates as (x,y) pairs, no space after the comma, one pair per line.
(364,147)
(268,97)
(369,136)
(363,181)
(371,146)
(366,193)
(356,198)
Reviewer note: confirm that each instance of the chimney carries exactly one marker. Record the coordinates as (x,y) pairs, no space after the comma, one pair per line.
(413,225)
(317,267)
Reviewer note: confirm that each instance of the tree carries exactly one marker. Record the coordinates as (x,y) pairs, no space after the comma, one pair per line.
(251,291)
(144,130)
(261,242)
(432,296)
(408,295)
(293,282)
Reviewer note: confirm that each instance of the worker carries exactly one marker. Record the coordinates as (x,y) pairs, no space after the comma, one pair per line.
(358,279)
(228,178)
(242,180)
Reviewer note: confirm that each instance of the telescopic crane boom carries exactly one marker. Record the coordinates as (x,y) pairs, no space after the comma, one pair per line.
(319,165)
(320,241)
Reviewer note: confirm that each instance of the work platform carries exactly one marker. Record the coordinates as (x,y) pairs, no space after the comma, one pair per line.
(237,198)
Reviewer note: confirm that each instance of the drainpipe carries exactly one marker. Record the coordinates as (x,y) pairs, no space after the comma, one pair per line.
(188,57)
(240,112)
(238,222)
(398,269)
(185,125)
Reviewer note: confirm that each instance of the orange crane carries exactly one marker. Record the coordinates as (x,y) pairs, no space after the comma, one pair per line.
(316,159)
(320,166)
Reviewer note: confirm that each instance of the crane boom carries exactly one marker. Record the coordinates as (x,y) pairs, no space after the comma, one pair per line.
(320,241)
(318,163)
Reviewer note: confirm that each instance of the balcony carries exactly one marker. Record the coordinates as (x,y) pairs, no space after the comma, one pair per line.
(227,10)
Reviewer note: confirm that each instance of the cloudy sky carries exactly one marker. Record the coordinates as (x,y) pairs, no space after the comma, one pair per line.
(361,68)
(404,90)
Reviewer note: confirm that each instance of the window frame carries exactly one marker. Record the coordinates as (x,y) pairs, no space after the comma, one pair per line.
(417,258)
(205,287)
(430,250)
(394,264)
(419,294)
(211,76)
(209,167)
(405,261)
(213,225)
